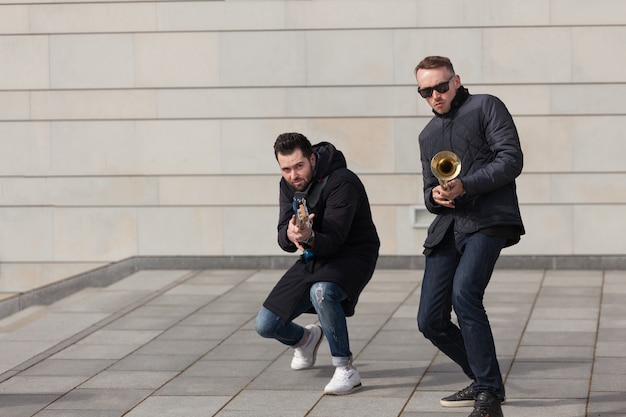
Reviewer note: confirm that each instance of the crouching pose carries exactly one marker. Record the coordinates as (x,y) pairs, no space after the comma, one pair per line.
(325,214)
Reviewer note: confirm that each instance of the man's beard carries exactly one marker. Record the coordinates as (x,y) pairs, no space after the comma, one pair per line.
(303,186)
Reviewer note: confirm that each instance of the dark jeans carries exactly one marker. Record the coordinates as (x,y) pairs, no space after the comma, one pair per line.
(456,274)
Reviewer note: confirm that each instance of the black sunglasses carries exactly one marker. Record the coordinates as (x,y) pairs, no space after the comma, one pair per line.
(440,88)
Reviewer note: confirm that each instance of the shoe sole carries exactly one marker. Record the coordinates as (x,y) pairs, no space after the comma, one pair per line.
(317,346)
(463,403)
(459,403)
(355,388)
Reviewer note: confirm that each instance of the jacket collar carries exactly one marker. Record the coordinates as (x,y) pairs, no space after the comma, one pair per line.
(462,94)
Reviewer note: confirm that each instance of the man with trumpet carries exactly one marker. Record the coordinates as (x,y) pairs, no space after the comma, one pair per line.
(471,155)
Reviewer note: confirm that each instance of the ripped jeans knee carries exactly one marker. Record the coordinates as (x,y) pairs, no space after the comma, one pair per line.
(326,293)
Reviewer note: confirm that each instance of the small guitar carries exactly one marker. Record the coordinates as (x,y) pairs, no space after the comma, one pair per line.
(302,215)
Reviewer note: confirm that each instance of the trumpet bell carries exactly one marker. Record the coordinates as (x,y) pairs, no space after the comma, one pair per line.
(445,166)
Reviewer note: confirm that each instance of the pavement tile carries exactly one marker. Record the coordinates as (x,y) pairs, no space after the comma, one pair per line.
(552,407)
(100,399)
(79,413)
(68,367)
(268,399)
(92,351)
(556,370)
(137,362)
(544,388)
(607,403)
(40,384)
(558,338)
(203,386)
(176,406)
(129,380)
(353,405)
(24,405)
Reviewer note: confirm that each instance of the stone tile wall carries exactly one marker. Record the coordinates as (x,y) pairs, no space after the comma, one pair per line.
(145,128)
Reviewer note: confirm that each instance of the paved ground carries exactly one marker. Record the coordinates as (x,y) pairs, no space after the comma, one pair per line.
(181,344)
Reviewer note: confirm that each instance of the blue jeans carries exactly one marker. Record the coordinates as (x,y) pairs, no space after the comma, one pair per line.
(325,298)
(456,275)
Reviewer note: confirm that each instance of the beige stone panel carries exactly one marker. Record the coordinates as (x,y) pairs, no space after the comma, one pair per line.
(527,55)
(582,12)
(25,63)
(546,143)
(22,277)
(599,229)
(95,148)
(407,150)
(588,99)
(534,188)
(385,219)
(367,143)
(221,103)
(589,188)
(91,61)
(24,148)
(263,58)
(93,104)
(79,191)
(220,15)
(180,146)
(341,58)
(598,143)
(597,53)
(180,231)
(26,234)
(549,231)
(410,239)
(14,19)
(92,17)
(248,232)
(370,101)
(177,60)
(247,145)
(218,190)
(323,14)
(397,189)
(452,13)
(14,105)
(463,46)
(95,234)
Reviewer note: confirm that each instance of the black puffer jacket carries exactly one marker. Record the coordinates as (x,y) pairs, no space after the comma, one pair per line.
(481,131)
(346,242)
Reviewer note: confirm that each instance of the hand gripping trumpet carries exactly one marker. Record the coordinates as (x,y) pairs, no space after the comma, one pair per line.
(446,166)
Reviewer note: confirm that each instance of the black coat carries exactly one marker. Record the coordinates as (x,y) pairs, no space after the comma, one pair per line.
(480,130)
(346,242)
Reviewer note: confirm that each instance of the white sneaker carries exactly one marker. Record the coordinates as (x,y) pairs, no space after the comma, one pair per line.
(345,380)
(304,356)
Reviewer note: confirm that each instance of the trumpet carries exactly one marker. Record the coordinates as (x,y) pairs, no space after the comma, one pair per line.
(446,166)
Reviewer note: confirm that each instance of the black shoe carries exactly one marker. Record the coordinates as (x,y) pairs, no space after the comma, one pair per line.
(486,405)
(463,398)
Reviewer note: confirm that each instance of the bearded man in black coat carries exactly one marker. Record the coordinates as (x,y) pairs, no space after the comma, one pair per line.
(339,246)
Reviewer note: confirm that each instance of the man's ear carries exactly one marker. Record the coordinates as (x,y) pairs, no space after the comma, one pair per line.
(313,160)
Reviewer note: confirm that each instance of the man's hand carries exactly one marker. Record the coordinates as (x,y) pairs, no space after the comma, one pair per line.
(300,234)
(446,198)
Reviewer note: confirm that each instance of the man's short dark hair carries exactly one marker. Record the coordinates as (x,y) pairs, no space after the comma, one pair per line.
(287,143)
(434,61)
